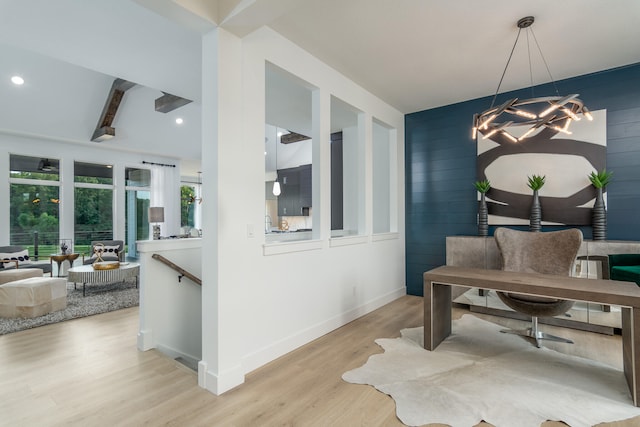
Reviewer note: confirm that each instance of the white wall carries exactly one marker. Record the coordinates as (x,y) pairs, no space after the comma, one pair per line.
(170,316)
(261,301)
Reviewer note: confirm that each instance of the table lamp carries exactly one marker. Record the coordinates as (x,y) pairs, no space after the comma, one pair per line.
(156,215)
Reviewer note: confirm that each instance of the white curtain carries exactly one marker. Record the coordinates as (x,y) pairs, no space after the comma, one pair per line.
(165,192)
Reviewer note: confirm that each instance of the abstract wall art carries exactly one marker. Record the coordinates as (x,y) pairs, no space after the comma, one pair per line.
(565,160)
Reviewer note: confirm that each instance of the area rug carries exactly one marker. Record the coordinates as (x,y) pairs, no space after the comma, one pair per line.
(479,374)
(99,299)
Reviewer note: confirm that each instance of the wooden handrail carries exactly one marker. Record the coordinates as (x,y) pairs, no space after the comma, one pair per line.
(182,271)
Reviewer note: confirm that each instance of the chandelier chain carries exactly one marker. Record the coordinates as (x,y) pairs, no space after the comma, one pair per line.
(545,62)
(530,66)
(505,68)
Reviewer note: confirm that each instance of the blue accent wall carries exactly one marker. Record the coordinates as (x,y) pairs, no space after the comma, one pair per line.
(440,166)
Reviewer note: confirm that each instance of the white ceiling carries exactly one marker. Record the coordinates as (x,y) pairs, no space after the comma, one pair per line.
(414,54)
(420,54)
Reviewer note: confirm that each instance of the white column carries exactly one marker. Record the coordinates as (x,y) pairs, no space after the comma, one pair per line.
(321,178)
(5,195)
(223,150)
(66,212)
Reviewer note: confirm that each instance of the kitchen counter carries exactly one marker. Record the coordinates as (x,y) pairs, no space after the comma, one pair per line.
(287,236)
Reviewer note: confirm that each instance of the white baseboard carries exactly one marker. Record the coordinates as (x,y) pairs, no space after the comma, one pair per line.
(174,354)
(219,383)
(145,340)
(271,352)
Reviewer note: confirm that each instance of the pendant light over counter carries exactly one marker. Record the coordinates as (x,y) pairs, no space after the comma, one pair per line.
(276,184)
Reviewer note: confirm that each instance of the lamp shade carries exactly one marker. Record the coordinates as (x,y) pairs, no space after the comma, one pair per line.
(156,214)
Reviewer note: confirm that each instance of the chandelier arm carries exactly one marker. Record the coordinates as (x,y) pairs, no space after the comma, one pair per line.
(505,68)
(545,62)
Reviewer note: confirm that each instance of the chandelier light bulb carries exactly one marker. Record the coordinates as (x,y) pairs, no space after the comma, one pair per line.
(587,114)
(485,124)
(527,133)
(571,114)
(523,113)
(509,136)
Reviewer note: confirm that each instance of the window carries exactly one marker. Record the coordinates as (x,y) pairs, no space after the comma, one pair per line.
(385,198)
(34,204)
(288,156)
(347,170)
(137,202)
(188,204)
(93,202)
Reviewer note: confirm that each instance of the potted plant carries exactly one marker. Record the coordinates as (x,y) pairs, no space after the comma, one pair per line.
(599,212)
(483,224)
(535,182)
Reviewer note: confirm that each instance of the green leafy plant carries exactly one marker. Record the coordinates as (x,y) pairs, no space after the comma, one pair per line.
(482,186)
(600,179)
(535,182)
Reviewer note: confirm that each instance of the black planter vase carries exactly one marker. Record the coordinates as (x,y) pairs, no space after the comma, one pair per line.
(536,213)
(599,217)
(483,213)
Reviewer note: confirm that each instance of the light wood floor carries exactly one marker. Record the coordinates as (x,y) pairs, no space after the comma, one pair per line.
(88,372)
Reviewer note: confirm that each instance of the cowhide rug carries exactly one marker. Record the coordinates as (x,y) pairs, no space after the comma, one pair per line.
(479,374)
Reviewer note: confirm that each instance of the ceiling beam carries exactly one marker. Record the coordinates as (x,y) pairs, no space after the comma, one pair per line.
(292,137)
(168,102)
(104,130)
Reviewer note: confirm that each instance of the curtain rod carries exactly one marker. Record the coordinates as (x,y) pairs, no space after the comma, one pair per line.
(144,162)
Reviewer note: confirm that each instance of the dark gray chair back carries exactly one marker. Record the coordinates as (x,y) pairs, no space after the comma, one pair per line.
(106,256)
(43,265)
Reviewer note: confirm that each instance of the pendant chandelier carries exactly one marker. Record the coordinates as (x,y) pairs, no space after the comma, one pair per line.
(528,115)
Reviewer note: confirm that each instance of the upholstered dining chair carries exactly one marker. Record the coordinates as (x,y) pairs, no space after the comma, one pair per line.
(535,252)
(113,251)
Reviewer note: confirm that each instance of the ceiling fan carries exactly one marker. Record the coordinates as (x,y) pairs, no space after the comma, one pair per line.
(45,165)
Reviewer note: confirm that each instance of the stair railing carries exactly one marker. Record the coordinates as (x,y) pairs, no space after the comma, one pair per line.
(182,271)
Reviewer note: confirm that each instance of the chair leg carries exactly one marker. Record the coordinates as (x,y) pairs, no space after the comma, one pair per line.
(535,333)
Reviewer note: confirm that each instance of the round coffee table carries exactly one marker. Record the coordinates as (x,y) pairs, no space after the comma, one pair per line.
(86,274)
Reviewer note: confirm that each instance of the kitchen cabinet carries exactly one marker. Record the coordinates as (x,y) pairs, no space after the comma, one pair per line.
(295,184)
(337,216)
(306,195)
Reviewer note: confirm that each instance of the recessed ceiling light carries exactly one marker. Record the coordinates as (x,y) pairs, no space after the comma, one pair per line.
(179,120)
(17,80)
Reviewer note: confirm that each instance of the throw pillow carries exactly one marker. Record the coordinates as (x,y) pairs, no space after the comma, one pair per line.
(22,257)
(107,251)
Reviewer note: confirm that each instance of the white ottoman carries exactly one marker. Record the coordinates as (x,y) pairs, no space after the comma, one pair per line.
(33,297)
(14,274)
